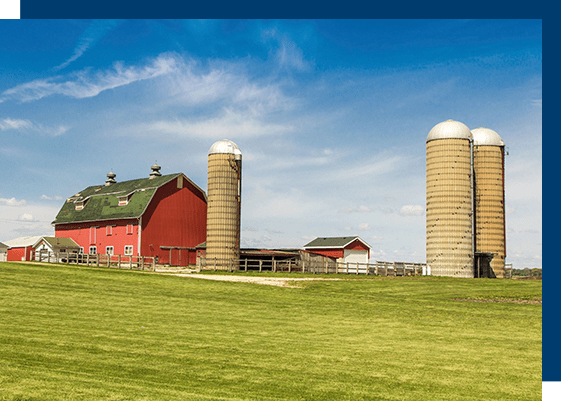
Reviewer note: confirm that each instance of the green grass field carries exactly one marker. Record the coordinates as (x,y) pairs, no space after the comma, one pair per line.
(77,333)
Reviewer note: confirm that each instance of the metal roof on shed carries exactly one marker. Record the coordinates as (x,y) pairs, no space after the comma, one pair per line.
(333,242)
(22,241)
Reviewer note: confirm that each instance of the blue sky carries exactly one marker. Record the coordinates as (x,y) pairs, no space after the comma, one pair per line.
(331,117)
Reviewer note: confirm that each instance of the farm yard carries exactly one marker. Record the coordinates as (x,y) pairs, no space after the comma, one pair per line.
(81,333)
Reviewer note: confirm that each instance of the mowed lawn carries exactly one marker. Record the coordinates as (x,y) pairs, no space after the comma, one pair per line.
(77,333)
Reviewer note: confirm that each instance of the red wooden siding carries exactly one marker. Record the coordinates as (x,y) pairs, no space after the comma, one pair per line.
(175,217)
(16,254)
(96,234)
(330,252)
(357,245)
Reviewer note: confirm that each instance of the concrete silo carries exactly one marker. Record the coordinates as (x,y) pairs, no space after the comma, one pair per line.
(224,206)
(450,200)
(488,166)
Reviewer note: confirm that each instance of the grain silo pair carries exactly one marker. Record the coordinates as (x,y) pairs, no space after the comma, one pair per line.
(465,202)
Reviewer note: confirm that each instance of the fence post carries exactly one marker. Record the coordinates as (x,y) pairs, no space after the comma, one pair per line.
(289,264)
(274,265)
(303,266)
(260,265)
(245,264)
(119,261)
(142,262)
(153,263)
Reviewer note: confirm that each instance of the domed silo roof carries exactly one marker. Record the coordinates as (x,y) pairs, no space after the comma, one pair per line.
(449,129)
(486,136)
(225,146)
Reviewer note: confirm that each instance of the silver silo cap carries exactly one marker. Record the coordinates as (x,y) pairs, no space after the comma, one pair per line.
(486,137)
(449,129)
(225,146)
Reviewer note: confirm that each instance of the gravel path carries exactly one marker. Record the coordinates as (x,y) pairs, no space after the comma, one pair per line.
(276,281)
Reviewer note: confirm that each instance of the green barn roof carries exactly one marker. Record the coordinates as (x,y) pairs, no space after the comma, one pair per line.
(101,202)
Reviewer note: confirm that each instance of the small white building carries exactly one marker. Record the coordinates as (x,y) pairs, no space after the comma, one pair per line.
(46,246)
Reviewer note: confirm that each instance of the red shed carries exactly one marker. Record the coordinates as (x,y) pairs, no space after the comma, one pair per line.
(163,216)
(343,249)
(21,249)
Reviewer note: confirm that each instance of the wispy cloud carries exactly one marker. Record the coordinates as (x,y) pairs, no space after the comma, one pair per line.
(86,83)
(235,124)
(363,227)
(12,202)
(51,197)
(91,35)
(360,209)
(412,210)
(26,217)
(28,126)
(287,53)
(8,124)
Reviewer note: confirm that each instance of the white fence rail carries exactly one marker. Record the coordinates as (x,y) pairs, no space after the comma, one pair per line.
(324,266)
(119,261)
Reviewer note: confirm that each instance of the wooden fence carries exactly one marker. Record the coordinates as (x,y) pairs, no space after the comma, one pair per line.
(324,266)
(99,260)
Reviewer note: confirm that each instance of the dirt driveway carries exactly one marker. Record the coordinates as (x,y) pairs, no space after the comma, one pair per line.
(276,281)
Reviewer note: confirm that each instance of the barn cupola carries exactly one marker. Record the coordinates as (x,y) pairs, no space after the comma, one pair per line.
(110,178)
(155,171)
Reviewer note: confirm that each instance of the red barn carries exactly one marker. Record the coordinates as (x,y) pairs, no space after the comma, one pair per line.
(343,249)
(163,216)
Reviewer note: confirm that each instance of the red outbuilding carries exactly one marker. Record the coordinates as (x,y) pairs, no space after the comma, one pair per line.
(342,249)
(21,249)
(162,216)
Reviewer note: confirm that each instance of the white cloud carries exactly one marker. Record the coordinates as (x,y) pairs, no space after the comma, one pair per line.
(372,168)
(28,126)
(12,202)
(93,33)
(25,217)
(363,227)
(378,254)
(86,83)
(360,209)
(231,123)
(412,210)
(289,55)
(51,197)
(8,123)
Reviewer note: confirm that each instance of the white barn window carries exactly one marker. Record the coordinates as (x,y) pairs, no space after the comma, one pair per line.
(128,250)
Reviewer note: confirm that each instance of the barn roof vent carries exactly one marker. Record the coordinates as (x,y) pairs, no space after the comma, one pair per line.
(155,171)
(110,178)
